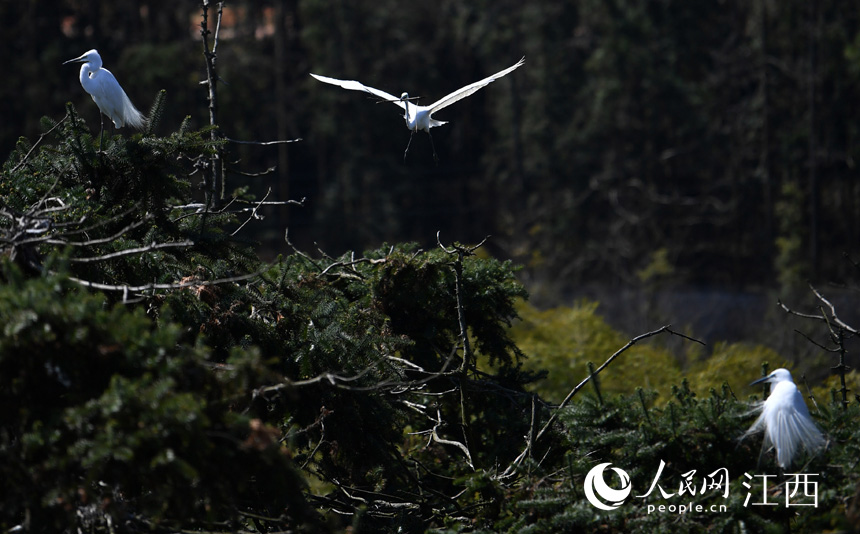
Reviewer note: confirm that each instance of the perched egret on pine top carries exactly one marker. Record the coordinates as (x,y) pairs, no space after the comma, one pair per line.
(785,420)
(107,93)
(421,117)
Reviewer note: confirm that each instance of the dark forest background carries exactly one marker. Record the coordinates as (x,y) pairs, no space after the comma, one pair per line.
(707,144)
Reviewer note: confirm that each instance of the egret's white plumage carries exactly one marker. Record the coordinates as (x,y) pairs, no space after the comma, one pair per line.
(106,92)
(420,117)
(785,420)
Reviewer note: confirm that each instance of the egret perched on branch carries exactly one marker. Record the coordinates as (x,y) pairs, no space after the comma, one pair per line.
(421,117)
(785,420)
(107,93)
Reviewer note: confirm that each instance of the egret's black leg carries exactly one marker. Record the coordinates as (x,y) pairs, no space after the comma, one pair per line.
(101,130)
(411,133)
(435,157)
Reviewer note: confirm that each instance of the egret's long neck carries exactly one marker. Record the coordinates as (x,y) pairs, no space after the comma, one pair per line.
(86,69)
(405,99)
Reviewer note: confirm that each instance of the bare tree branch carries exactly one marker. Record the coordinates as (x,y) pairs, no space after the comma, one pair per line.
(153,287)
(36,144)
(530,443)
(832,309)
(442,441)
(263,143)
(132,251)
(457,265)
(253,213)
(838,330)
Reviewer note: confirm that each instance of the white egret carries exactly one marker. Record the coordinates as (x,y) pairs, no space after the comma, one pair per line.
(112,101)
(785,420)
(420,117)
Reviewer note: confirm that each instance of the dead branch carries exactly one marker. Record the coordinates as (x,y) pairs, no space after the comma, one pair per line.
(215,177)
(126,289)
(532,439)
(443,441)
(36,144)
(838,330)
(461,251)
(263,143)
(131,251)
(253,213)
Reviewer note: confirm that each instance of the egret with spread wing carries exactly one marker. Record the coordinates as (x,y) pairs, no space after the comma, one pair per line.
(421,117)
(112,101)
(785,420)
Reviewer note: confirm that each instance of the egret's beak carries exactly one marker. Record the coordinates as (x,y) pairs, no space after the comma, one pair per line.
(79,59)
(762,379)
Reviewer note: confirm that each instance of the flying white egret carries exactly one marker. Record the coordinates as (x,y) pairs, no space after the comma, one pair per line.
(420,117)
(785,420)
(112,101)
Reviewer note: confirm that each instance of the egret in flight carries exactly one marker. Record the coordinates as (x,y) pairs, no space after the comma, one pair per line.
(421,117)
(107,93)
(785,420)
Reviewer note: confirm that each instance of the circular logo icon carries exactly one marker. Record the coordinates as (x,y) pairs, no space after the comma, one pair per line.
(601,495)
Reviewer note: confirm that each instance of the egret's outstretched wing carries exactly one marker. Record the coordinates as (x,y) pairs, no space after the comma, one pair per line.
(463,92)
(358,86)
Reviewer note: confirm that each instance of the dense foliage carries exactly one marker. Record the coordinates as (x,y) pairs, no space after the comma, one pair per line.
(156,375)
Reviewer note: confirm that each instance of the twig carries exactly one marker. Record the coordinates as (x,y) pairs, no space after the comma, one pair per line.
(837,329)
(131,251)
(116,217)
(461,252)
(817,344)
(321,423)
(202,209)
(443,441)
(512,468)
(267,172)
(253,213)
(152,287)
(99,241)
(352,263)
(797,313)
(809,394)
(833,311)
(215,185)
(38,141)
(263,143)
(299,252)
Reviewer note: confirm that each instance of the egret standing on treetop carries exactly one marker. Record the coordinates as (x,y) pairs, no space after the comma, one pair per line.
(785,420)
(420,117)
(107,93)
